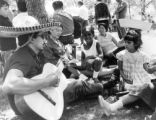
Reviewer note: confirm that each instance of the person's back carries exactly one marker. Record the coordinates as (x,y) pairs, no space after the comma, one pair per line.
(66,21)
(101,11)
(102,14)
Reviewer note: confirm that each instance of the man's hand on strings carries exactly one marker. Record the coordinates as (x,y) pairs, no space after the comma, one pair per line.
(53,80)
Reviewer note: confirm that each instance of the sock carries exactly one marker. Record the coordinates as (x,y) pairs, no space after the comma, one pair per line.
(95,74)
(116,106)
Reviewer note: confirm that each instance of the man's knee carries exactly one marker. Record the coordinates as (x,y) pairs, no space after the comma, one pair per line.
(97,64)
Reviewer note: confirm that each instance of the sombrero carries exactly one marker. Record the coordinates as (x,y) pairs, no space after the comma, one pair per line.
(26,26)
(137,24)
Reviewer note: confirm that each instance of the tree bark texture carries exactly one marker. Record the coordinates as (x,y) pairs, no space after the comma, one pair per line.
(36,8)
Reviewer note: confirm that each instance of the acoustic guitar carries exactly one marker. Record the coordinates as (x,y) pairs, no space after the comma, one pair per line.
(48,102)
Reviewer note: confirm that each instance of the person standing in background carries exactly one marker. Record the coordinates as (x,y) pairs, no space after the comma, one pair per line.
(83,13)
(121,10)
(120,13)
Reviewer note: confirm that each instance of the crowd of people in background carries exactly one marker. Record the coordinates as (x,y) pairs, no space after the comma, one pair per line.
(104,63)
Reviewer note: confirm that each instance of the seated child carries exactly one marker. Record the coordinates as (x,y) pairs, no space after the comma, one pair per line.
(137,80)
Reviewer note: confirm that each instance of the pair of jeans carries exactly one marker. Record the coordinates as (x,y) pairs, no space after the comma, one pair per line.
(79,89)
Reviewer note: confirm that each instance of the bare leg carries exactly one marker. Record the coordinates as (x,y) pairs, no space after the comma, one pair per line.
(106,71)
(126,99)
(112,108)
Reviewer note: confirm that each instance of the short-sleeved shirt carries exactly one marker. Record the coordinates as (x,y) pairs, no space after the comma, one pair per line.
(133,66)
(106,43)
(28,62)
(6,43)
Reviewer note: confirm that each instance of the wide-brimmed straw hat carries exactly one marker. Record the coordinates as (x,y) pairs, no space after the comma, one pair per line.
(26,26)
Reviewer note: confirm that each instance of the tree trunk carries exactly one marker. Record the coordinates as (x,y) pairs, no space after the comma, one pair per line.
(36,8)
(143,10)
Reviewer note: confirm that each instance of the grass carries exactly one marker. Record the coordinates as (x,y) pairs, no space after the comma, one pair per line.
(86,110)
(90,110)
(81,110)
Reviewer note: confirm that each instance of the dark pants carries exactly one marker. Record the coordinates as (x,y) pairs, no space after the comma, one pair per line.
(93,64)
(148,95)
(118,50)
(69,39)
(81,90)
(121,31)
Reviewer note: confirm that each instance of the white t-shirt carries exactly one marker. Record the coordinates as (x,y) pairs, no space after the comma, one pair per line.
(84,12)
(106,43)
(23,20)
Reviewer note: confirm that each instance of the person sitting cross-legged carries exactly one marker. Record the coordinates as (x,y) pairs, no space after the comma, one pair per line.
(91,61)
(91,54)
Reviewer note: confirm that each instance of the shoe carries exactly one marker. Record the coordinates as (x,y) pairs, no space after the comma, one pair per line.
(148,117)
(104,105)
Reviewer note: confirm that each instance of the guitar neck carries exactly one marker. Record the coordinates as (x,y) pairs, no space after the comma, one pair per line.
(60,67)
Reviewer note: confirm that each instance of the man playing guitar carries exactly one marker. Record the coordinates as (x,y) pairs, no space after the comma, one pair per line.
(36,89)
